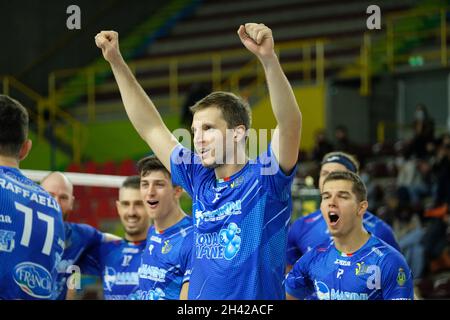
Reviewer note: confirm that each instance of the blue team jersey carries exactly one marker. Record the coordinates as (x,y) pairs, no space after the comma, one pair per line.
(31,238)
(311,230)
(375,272)
(117,263)
(240,227)
(166,262)
(79,237)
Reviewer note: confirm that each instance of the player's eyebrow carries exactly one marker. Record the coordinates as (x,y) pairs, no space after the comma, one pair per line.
(342,193)
(324,193)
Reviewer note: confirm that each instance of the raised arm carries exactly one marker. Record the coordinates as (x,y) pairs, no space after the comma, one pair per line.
(140,109)
(257,38)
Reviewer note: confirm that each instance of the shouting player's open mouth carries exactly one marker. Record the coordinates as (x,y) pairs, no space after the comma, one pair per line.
(333,217)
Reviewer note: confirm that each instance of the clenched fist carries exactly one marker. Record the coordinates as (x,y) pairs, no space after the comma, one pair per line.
(258,39)
(108,41)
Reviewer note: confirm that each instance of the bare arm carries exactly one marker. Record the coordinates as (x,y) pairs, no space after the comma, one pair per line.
(257,38)
(184,291)
(140,109)
(289,297)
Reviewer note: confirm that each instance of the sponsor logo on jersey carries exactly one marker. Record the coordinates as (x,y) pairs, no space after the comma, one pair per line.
(360,269)
(401,277)
(130,250)
(218,189)
(4,218)
(219,245)
(33,279)
(156,239)
(237,182)
(324,293)
(7,242)
(156,294)
(166,248)
(228,209)
(112,278)
(152,273)
(377,251)
(345,263)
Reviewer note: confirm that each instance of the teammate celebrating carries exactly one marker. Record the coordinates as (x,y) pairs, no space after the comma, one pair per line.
(166,261)
(358,265)
(31,223)
(241,207)
(79,237)
(311,230)
(118,262)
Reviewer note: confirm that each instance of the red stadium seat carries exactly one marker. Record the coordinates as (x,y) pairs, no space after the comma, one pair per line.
(127,168)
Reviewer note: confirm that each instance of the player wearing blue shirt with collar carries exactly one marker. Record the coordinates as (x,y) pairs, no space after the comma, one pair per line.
(79,237)
(311,230)
(241,208)
(31,223)
(117,262)
(358,265)
(166,262)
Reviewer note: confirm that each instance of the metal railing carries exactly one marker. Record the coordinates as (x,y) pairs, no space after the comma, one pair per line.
(423,30)
(45,114)
(233,70)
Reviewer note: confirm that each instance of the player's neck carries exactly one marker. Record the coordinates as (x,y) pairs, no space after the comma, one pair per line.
(233,164)
(9,162)
(227,170)
(351,242)
(136,238)
(172,219)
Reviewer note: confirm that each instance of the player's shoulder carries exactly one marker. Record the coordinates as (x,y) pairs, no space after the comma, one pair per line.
(186,230)
(384,250)
(82,229)
(371,220)
(320,250)
(307,222)
(109,246)
(13,176)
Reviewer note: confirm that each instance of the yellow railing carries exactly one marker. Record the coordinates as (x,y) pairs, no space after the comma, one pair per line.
(395,33)
(210,67)
(70,130)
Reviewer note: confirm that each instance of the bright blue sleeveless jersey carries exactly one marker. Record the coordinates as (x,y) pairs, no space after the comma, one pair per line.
(240,227)
(79,237)
(311,230)
(375,272)
(166,262)
(117,263)
(31,238)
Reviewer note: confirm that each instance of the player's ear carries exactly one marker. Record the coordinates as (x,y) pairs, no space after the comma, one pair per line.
(178,191)
(239,133)
(25,149)
(363,205)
